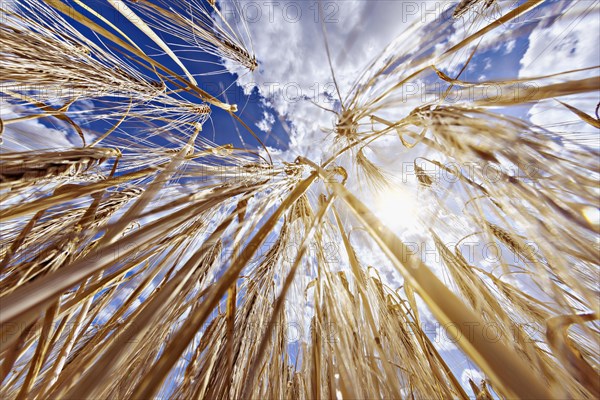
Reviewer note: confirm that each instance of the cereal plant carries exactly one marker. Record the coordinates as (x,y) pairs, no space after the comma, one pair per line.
(156,244)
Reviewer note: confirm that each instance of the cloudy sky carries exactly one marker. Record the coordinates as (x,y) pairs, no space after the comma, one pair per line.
(289,41)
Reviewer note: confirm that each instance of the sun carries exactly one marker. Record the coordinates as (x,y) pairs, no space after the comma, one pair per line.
(398,208)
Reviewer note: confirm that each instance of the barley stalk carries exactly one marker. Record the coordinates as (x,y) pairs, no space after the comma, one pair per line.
(154,263)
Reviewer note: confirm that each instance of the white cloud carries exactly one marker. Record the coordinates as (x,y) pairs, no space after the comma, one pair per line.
(510,46)
(563,44)
(267,122)
(44,133)
(488,63)
(467,25)
(472,374)
(293,70)
(30,134)
(566,43)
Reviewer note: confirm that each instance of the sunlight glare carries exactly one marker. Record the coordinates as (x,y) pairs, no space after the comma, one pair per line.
(398,209)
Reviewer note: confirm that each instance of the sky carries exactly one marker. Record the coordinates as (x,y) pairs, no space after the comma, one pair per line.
(280,100)
(277,99)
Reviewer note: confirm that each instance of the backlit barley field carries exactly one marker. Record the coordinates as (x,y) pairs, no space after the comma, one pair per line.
(299,199)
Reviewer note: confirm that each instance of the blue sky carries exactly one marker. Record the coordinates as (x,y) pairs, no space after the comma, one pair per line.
(221,128)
